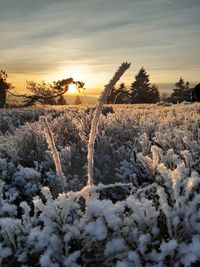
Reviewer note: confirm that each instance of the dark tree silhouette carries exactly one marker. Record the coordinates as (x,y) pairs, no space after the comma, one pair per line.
(4,87)
(112,96)
(141,89)
(119,96)
(122,95)
(181,92)
(45,93)
(196,93)
(154,95)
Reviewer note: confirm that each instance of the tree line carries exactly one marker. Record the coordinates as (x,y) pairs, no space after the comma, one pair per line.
(44,93)
(140,91)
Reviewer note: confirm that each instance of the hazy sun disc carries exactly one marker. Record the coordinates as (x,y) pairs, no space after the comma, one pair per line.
(72,88)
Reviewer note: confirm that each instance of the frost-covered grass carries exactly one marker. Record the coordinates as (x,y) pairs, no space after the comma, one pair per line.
(153,221)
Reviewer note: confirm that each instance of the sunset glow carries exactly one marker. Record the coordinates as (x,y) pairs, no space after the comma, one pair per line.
(161,35)
(72,88)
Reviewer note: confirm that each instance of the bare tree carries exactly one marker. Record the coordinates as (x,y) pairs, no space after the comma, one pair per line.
(45,93)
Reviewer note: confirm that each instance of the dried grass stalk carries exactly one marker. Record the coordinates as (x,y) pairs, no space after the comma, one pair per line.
(95,121)
(52,146)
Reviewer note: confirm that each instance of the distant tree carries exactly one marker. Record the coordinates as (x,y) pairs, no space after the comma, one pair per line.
(46,93)
(120,95)
(112,96)
(4,87)
(195,93)
(141,89)
(154,95)
(181,92)
(43,92)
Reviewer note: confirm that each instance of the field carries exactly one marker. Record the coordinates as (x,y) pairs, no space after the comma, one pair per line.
(144,206)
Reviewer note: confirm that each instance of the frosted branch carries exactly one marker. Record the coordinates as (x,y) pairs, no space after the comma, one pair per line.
(52,146)
(95,120)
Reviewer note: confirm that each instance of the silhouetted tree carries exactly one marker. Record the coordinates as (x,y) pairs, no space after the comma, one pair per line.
(120,95)
(112,96)
(4,87)
(181,92)
(141,89)
(196,93)
(43,92)
(46,93)
(154,95)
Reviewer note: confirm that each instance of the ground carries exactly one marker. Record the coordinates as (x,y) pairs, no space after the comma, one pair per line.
(143,209)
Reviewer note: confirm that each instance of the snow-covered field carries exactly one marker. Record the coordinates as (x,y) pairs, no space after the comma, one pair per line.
(144,209)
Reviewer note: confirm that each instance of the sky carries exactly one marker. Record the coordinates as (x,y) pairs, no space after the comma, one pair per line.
(88,39)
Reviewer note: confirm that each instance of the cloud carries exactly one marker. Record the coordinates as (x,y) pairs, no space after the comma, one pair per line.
(42,36)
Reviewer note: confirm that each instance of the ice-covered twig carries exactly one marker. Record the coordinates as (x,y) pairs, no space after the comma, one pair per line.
(52,146)
(90,190)
(95,121)
(146,188)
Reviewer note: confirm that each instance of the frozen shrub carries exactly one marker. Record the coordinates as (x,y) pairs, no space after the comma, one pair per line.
(7,208)
(58,240)
(30,144)
(107,109)
(26,181)
(154,221)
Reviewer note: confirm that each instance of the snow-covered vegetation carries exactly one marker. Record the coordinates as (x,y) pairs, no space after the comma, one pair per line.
(144,206)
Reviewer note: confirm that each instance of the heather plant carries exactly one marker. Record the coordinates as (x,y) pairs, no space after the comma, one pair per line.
(149,216)
(30,144)
(74,137)
(67,233)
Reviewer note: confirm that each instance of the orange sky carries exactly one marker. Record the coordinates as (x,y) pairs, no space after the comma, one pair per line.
(94,83)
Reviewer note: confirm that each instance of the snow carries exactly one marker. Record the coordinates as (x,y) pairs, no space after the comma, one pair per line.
(97,229)
(156,217)
(115,245)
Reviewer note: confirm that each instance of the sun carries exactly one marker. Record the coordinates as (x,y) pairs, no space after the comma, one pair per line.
(72,88)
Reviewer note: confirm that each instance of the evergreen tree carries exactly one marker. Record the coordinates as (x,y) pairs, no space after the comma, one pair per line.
(112,96)
(181,91)
(4,87)
(154,95)
(141,89)
(122,95)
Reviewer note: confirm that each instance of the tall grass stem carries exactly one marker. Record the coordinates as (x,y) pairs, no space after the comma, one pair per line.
(95,121)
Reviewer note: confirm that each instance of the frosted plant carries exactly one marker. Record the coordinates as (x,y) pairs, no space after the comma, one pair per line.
(59,233)
(7,208)
(156,224)
(13,236)
(114,245)
(26,181)
(95,120)
(52,146)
